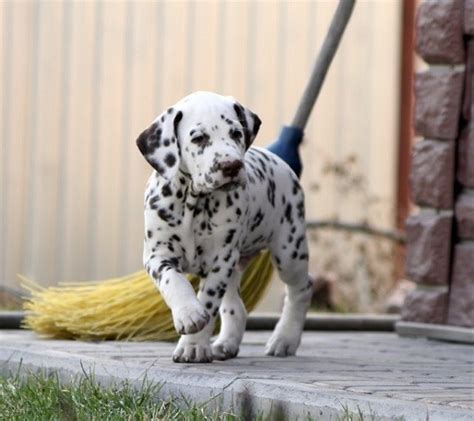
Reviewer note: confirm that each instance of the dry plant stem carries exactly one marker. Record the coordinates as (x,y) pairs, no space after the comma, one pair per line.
(395,235)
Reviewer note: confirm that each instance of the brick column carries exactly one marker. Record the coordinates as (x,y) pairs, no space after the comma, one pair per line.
(440,236)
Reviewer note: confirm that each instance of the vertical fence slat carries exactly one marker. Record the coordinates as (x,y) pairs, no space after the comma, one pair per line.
(79,169)
(319,146)
(108,147)
(63,135)
(383,128)
(235,52)
(16,202)
(44,143)
(5,94)
(203,47)
(265,68)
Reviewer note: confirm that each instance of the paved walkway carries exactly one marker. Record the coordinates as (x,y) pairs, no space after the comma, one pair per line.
(335,374)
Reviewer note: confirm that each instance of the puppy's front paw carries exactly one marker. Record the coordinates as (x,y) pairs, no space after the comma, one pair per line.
(190,318)
(280,345)
(225,349)
(188,352)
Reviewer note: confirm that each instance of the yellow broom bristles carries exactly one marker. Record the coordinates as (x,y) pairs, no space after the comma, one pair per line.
(127,308)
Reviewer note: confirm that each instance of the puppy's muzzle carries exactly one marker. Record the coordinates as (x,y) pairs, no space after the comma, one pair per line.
(231,169)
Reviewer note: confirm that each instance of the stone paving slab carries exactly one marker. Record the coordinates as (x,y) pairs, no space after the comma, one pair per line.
(335,373)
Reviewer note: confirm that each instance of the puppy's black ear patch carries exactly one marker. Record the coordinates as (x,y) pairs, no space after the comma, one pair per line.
(249,121)
(256,124)
(159,143)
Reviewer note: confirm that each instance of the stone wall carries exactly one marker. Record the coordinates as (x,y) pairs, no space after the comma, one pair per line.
(440,236)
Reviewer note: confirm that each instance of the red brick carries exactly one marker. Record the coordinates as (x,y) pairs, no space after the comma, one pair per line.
(425,306)
(428,248)
(432,174)
(439,31)
(469,17)
(461,297)
(468,106)
(438,96)
(465,216)
(465,164)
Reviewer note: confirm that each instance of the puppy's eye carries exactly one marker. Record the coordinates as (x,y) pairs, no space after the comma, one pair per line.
(235,135)
(202,139)
(198,140)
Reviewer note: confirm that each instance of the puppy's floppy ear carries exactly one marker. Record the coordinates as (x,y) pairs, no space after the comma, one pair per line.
(159,143)
(249,121)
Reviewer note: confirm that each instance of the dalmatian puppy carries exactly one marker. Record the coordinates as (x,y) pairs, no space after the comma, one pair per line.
(211,204)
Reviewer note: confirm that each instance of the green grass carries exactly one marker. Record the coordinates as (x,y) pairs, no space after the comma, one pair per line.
(40,397)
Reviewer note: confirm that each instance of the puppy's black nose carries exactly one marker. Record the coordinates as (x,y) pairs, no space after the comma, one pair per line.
(230,168)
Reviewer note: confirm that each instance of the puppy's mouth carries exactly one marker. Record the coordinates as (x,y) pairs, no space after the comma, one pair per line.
(231,185)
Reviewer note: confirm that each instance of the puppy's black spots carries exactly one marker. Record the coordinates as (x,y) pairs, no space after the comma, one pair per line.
(230,236)
(166,143)
(164,215)
(228,256)
(179,194)
(216,269)
(221,289)
(257,220)
(303,256)
(166,190)
(229,201)
(169,110)
(294,255)
(290,239)
(176,237)
(215,311)
(229,272)
(170,159)
(298,242)
(199,250)
(149,234)
(167,264)
(293,229)
(231,312)
(208,305)
(238,212)
(211,292)
(271,192)
(296,187)
(300,209)
(289,213)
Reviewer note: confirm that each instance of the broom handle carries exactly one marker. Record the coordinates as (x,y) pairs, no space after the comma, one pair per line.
(331,42)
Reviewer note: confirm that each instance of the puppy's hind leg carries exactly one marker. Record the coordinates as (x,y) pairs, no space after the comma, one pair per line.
(293,270)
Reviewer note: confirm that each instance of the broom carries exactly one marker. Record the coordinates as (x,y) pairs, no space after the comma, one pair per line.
(130,307)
